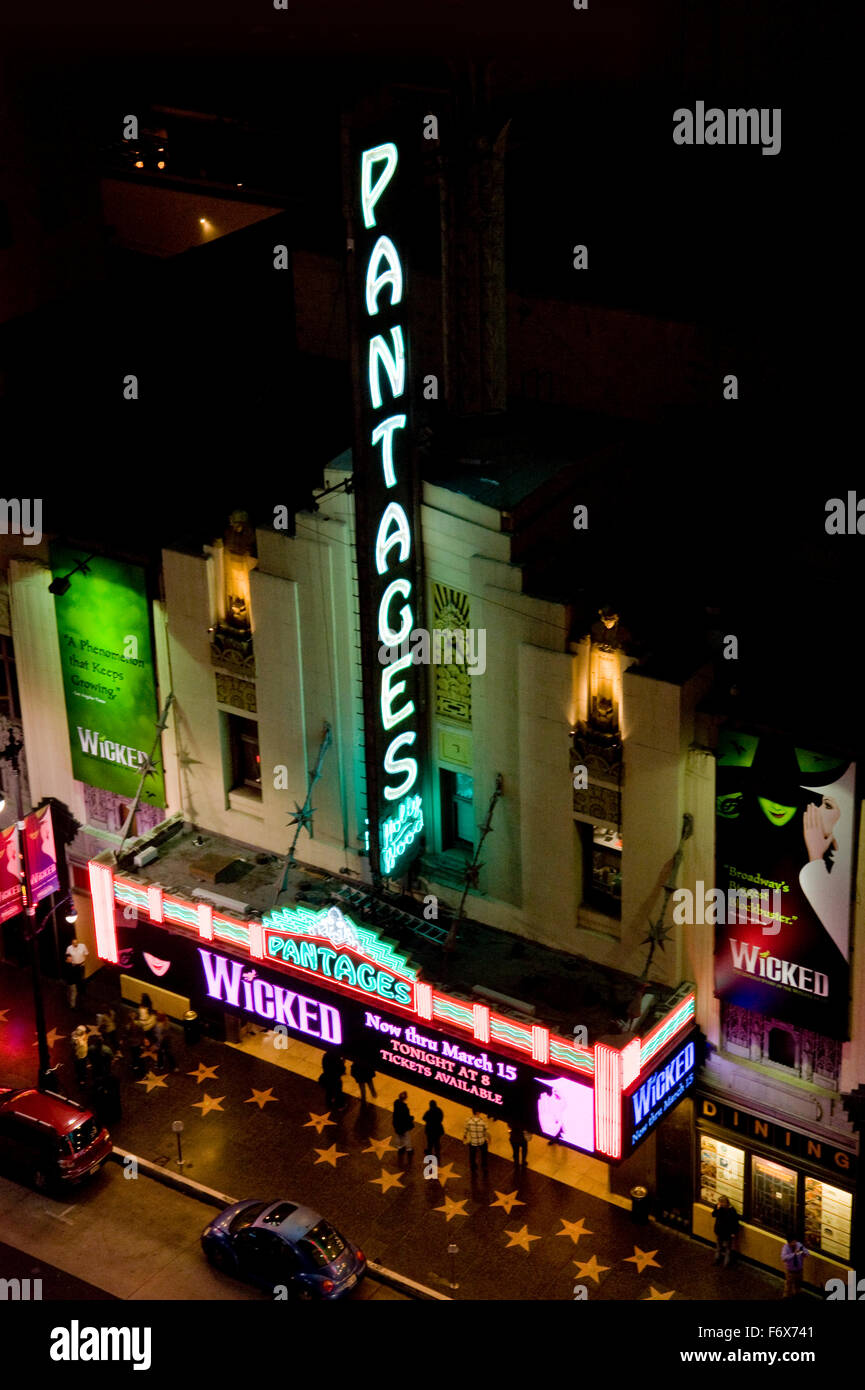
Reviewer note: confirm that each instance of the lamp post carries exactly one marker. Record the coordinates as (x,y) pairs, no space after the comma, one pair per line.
(46,1072)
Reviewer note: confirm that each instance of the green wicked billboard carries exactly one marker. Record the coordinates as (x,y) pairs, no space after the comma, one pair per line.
(103,623)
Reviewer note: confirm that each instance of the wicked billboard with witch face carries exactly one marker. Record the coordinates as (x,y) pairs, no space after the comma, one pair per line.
(785,826)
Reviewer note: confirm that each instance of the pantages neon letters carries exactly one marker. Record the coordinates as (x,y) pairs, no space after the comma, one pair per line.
(231,982)
(390,490)
(357,957)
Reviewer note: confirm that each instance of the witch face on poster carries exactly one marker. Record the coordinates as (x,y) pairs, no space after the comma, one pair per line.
(785,823)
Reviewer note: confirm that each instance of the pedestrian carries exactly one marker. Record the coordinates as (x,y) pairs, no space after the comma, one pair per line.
(80,1056)
(134,1044)
(519,1145)
(162,1033)
(403,1124)
(434,1126)
(146,1015)
(332,1072)
(726,1227)
(364,1075)
(76,955)
(107,1024)
(99,1059)
(477,1137)
(793,1258)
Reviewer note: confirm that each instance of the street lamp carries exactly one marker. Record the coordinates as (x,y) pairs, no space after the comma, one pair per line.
(46,1071)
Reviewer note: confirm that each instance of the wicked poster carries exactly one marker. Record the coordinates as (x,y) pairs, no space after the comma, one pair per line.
(785,827)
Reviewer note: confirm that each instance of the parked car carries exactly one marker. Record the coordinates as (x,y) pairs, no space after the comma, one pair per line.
(282,1244)
(48,1139)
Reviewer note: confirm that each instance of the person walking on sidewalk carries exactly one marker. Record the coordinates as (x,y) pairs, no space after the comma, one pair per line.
(146,1016)
(403,1124)
(477,1137)
(793,1258)
(519,1145)
(434,1127)
(726,1226)
(76,955)
(332,1072)
(162,1033)
(80,1054)
(364,1075)
(107,1025)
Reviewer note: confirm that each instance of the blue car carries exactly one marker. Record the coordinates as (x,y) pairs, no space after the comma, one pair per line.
(282,1245)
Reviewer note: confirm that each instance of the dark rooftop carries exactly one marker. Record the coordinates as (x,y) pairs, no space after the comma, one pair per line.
(565,990)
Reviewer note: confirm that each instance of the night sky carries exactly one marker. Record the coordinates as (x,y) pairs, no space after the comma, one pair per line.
(709,503)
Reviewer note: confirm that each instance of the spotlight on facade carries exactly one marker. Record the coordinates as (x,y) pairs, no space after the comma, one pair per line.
(72,917)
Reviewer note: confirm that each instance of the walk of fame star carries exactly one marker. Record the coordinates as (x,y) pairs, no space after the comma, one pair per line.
(590,1269)
(387,1180)
(445,1172)
(203,1073)
(452,1207)
(655,1295)
(52,1038)
(574,1229)
(641,1258)
(151,1081)
(260,1098)
(508,1200)
(209,1103)
(4,1015)
(379,1147)
(330,1155)
(521,1238)
(317,1122)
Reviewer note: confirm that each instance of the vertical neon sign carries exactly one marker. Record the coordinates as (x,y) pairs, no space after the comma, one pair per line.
(386,539)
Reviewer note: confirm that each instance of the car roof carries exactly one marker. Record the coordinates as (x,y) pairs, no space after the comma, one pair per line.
(296,1224)
(62,1115)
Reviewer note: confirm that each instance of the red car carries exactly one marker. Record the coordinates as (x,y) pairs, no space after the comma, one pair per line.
(48,1139)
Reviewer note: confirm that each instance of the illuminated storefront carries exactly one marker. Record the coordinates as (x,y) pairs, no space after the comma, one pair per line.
(778,1178)
(329,980)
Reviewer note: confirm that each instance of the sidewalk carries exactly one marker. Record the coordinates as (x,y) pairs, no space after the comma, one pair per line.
(255,1124)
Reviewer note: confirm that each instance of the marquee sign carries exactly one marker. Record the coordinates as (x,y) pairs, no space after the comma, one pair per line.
(333,947)
(387,535)
(655,1093)
(569,1091)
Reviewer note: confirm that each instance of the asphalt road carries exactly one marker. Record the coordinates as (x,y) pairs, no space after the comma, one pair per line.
(118,1237)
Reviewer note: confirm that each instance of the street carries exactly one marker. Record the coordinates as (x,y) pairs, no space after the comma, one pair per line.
(124,1238)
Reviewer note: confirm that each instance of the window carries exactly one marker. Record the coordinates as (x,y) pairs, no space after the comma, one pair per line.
(458,818)
(322,1244)
(773,1196)
(602,869)
(782,1047)
(722,1172)
(828,1218)
(245,758)
(10,704)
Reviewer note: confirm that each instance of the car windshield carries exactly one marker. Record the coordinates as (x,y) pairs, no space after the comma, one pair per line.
(246,1217)
(83,1136)
(322,1244)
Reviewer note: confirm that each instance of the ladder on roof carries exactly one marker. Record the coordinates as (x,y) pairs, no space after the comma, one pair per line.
(394,918)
